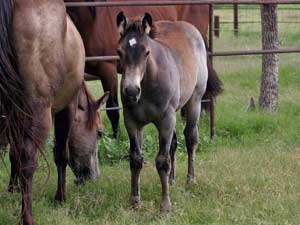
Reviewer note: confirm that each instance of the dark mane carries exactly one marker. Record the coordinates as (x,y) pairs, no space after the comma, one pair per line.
(91,108)
(15,110)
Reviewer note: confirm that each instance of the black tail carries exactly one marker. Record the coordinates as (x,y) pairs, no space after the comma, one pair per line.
(14,108)
(214,85)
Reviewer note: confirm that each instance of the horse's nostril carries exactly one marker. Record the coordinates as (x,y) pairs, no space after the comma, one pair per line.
(126,91)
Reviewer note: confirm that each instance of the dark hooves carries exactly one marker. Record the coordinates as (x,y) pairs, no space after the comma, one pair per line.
(135,202)
(14,189)
(172,181)
(60,198)
(165,206)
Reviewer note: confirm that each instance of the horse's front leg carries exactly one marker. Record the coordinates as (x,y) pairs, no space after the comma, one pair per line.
(166,129)
(135,134)
(109,80)
(62,127)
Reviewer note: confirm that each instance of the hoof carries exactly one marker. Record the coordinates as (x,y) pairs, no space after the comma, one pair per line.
(60,198)
(114,135)
(165,206)
(13,189)
(171,181)
(135,202)
(27,220)
(191,181)
(79,181)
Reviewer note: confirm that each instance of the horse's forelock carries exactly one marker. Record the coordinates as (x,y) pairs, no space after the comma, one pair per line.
(137,26)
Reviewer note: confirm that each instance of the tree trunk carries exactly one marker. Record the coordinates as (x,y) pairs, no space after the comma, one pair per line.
(268,99)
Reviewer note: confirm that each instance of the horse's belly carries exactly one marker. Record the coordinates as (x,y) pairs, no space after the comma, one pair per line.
(185,95)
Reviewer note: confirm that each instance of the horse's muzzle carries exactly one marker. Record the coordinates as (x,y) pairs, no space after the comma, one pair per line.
(132,94)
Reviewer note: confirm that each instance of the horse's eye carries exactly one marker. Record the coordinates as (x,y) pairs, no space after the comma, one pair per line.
(99,133)
(147,53)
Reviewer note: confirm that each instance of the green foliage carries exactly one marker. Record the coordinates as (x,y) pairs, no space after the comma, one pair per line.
(247,175)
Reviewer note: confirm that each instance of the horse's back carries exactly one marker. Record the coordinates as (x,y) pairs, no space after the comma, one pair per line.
(189,53)
(43,38)
(38,28)
(174,34)
(198,15)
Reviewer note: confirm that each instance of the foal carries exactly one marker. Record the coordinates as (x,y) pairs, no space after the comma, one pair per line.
(164,69)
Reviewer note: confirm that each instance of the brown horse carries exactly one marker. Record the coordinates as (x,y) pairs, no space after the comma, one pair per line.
(99,32)
(81,152)
(42,61)
(164,69)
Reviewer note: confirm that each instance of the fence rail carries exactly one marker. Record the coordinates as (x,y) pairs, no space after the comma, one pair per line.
(211,53)
(221,53)
(177,2)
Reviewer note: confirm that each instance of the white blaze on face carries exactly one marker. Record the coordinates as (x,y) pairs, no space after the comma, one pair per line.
(132,42)
(132,77)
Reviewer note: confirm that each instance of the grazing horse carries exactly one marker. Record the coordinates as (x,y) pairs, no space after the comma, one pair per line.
(82,143)
(42,61)
(86,130)
(164,69)
(99,32)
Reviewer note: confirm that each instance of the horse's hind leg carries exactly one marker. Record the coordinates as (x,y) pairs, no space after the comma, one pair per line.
(62,127)
(193,110)
(27,157)
(27,164)
(173,159)
(166,129)
(13,185)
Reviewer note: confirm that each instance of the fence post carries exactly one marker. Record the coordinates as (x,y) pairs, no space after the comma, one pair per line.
(210,48)
(217,26)
(268,98)
(236,19)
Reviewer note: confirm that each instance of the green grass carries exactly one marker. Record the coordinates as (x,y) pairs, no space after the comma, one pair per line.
(248,175)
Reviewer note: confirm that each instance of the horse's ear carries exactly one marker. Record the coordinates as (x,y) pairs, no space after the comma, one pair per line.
(102,101)
(147,23)
(121,22)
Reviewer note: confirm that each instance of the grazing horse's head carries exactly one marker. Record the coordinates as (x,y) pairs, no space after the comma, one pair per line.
(86,130)
(134,53)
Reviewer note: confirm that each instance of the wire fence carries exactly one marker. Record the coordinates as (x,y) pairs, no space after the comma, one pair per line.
(249,23)
(248,14)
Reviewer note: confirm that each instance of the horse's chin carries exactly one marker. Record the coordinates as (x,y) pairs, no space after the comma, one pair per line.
(83,174)
(80,180)
(132,100)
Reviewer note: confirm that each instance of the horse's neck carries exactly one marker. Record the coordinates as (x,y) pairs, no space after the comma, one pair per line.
(151,69)
(152,64)
(157,57)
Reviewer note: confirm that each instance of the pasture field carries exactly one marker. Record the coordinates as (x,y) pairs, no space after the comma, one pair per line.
(249,174)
